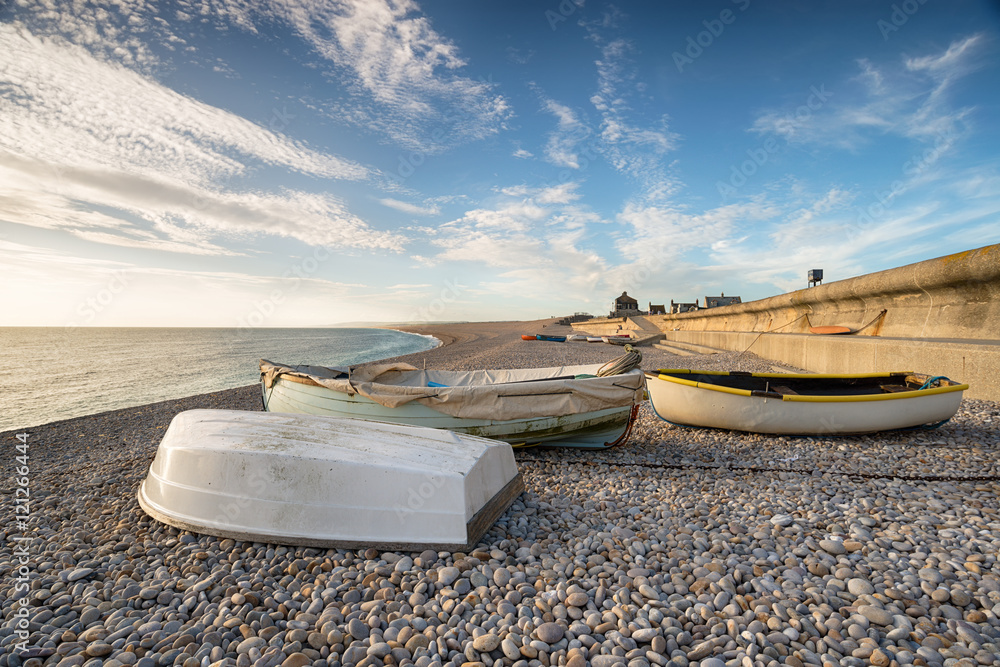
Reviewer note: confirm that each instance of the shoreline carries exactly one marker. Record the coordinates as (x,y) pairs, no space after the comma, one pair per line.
(673,547)
(437,341)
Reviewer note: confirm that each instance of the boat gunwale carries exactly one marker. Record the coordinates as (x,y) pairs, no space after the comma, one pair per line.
(475,528)
(609,420)
(663,374)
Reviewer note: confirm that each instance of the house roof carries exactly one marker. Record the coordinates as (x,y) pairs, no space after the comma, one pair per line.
(625,298)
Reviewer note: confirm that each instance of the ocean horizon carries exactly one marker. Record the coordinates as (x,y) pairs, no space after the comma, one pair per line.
(56,373)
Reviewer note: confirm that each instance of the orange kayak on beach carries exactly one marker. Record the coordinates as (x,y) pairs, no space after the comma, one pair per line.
(527,337)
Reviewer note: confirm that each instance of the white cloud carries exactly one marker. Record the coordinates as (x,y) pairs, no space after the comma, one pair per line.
(659,234)
(561,149)
(563,193)
(175,216)
(532,238)
(120,31)
(522,153)
(407,207)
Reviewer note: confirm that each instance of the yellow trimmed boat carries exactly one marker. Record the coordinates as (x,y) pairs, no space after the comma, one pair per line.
(802,404)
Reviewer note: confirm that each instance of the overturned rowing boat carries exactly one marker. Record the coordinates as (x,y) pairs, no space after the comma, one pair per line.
(566,406)
(318,481)
(617,340)
(802,404)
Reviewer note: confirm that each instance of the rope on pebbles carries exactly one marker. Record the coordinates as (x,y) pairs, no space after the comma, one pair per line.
(762,469)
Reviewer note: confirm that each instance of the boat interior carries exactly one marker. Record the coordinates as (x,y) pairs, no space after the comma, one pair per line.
(813,385)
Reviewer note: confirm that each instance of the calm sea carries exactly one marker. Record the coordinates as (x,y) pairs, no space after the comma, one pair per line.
(52,373)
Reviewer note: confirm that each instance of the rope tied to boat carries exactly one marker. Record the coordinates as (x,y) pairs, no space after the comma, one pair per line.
(623,364)
(933,380)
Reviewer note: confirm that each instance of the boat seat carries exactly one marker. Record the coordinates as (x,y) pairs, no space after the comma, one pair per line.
(894,388)
(784,391)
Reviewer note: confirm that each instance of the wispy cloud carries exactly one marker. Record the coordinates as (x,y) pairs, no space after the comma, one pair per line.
(909,99)
(174,216)
(404,74)
(561,149)
(403,78)
(407,207)
(64,106)
(636,150)
(160,172)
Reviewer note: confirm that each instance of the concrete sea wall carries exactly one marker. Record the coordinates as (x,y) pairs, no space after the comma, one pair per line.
(956,296)
(942,316)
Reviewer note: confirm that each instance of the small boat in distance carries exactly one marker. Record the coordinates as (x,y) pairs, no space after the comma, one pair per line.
(527,337)
(802,404)
(551,339)
(567,406)
(323,482)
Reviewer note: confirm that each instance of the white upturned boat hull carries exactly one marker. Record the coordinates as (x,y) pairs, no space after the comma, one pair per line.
(317,481)
(589,430)
(702,404)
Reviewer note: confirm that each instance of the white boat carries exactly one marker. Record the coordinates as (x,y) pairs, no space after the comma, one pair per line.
(595,339)
(580,338)
(802,404)
(564,406)
(324,482)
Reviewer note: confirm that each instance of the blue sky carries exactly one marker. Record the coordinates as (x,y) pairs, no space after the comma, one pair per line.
(241,163)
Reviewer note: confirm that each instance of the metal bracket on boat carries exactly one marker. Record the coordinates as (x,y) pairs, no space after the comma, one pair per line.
(628,429)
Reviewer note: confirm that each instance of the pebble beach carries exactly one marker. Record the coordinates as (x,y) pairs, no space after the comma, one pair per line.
(683,547)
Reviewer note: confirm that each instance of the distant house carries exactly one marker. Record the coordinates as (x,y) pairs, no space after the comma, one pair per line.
(683,307)
(657,309)
(721,300)
(625,306)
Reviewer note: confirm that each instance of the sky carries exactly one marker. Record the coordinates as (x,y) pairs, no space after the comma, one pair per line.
(238,163)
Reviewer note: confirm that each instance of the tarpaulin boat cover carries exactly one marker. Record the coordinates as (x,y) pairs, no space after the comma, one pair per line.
(486,394)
